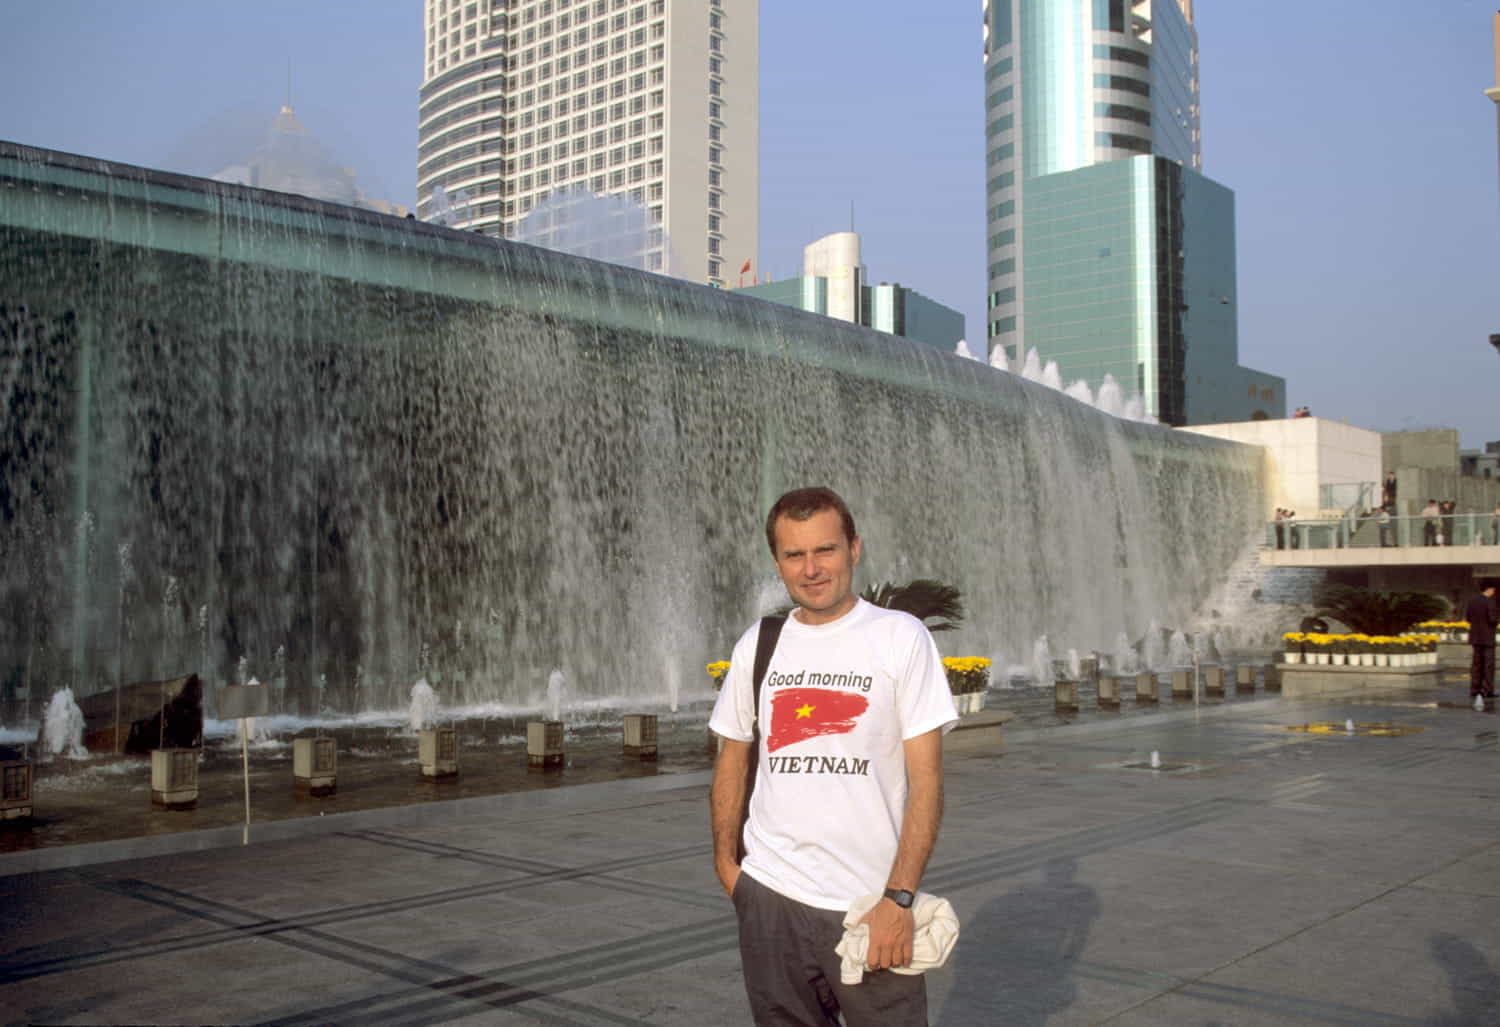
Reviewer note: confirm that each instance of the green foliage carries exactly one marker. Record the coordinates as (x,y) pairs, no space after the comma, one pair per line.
(1371,612)
(924,599)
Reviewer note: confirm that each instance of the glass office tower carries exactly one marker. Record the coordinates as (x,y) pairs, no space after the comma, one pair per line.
(1101,230)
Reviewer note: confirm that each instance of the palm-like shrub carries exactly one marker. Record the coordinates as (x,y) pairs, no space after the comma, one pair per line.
(1372,612)
(924,599)
(935,604)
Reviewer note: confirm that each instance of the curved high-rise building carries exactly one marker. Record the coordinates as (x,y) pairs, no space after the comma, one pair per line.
(1108,250)
(531,103)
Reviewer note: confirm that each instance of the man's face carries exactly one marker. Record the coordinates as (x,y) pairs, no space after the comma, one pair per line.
(816,563)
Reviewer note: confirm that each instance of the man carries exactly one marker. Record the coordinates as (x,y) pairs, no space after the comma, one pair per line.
(1480,613)
(1388,492)
(1431,517)
(848,790)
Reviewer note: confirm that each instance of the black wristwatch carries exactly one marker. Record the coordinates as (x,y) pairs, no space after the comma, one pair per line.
(901,897)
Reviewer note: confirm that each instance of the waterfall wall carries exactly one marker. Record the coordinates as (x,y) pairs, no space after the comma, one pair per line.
(250,432)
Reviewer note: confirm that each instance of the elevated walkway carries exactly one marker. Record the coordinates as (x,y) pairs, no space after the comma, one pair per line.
(1469,541)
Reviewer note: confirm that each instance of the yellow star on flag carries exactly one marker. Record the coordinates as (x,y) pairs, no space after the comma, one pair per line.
(805,711)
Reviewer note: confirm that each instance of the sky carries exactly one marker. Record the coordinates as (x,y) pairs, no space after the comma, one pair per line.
(1356,136)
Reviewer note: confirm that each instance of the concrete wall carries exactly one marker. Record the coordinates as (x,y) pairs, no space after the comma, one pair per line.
(1304,453)
(1434,449)
(1427,467)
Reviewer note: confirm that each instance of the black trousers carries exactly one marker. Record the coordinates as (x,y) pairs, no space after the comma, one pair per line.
(792,970)
(1482,672)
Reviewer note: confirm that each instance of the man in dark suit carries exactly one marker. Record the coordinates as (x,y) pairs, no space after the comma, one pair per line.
(1480,613)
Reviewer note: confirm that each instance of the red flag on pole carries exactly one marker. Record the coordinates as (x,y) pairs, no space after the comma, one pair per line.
(746,268)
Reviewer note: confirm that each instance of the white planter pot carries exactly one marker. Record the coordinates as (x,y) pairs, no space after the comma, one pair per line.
(1321,659)
(1338,659)
(1291,657)
(1382,659)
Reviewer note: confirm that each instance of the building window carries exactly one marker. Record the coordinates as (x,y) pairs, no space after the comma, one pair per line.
(1120,83)
(714,199)
(714,267)
(1118,141)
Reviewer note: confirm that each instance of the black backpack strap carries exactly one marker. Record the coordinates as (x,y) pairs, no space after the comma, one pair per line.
(765,648)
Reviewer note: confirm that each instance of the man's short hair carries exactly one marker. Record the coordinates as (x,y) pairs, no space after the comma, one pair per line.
(800,504)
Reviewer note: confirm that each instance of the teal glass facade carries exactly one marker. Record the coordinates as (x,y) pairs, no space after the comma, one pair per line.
(1090,261)
(1108,251)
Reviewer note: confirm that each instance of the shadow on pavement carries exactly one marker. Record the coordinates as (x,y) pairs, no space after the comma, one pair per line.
(1475,985)
(1015,956)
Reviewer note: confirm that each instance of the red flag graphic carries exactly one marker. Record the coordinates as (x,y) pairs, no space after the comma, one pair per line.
(798,714)
(746,268)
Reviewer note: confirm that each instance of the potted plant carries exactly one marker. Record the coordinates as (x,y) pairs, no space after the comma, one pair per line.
(968,678)
(1293,643)
(1338,649)
(717,670)
(1318,647)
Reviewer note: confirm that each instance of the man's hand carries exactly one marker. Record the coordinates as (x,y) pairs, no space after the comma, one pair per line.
(729,875)
(726,807)
(891,929)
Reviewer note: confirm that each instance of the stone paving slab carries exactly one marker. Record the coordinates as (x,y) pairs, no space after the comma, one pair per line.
(1280,877)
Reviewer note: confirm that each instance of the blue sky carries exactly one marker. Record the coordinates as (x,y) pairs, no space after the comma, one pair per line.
(1355,135)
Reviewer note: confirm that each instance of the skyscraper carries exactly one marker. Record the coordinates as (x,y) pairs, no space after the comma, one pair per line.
(528,104)
(1109,251)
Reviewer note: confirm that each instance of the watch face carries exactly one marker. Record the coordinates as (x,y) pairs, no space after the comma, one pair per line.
(900,897)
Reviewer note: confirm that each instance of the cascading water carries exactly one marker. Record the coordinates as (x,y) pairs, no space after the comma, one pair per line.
(556,681)
(1125,660)
(1042,672)
(1179,653)
(1153,650)
(422,711)
(354,436)
(62,726)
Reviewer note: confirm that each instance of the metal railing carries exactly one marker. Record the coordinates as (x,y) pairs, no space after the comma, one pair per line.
(1350,497)
(1374,532)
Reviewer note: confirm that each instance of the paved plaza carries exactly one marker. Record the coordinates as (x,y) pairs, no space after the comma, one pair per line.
(1261,876)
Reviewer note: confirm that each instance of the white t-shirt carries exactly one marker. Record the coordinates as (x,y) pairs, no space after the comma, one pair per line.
(837,702)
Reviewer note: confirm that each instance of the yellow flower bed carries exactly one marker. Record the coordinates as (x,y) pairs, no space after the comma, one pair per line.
(1444,625)
(1311,641)
(967,674)
(717,670)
